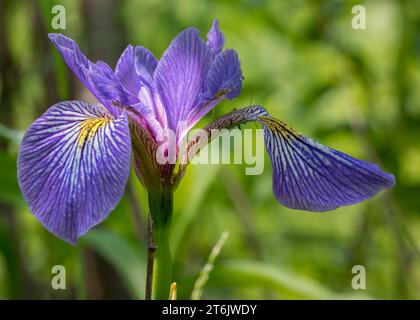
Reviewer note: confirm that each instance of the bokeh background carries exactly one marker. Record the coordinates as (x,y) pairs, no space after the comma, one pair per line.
(354,90)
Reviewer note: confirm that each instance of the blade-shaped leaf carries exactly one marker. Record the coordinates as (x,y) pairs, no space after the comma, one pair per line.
(128,261)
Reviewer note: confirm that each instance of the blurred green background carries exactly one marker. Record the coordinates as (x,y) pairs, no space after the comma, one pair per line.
(354,90)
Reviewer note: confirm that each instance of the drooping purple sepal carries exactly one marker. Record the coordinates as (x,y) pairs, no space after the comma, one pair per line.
(306,175)
(73,165)
(310,176)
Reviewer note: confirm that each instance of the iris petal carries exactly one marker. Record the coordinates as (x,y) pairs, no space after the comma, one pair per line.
(310,176)
(108,86)
(225,75)
(73,165)
(215,38)
(75,59)
(135,69)
(306,174)
(103,86)
(180,75)
(224,80)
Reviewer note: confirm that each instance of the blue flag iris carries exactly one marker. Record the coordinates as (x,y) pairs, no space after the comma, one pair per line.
(74,161)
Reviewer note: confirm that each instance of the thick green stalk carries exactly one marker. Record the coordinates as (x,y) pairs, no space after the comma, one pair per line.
(163,265)
(161,207)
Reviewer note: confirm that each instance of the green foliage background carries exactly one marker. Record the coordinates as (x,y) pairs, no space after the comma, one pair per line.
(354,90)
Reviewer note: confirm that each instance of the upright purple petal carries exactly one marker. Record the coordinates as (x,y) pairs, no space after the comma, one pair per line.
(180,74)
(108,86)
(215,38)
(135,69)
(75,59)
(224,80)
(84,69)
(73,165)
(145,63)
(225,76)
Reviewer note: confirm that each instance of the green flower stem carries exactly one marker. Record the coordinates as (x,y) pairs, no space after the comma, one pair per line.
(163,264)
(161,207)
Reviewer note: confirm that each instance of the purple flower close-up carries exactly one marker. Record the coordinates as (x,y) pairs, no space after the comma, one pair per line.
(74,161)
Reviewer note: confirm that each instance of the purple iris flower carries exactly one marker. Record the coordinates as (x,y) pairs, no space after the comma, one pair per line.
(74,161)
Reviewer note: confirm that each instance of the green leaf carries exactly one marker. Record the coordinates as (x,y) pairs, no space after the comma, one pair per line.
(12,135)
(9,188)
(285,283)
(202,181)
(129,262)
(61,71)
(8,252)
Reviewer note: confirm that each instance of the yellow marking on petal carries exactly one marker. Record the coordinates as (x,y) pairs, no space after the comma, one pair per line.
(88,129)
(279,126)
